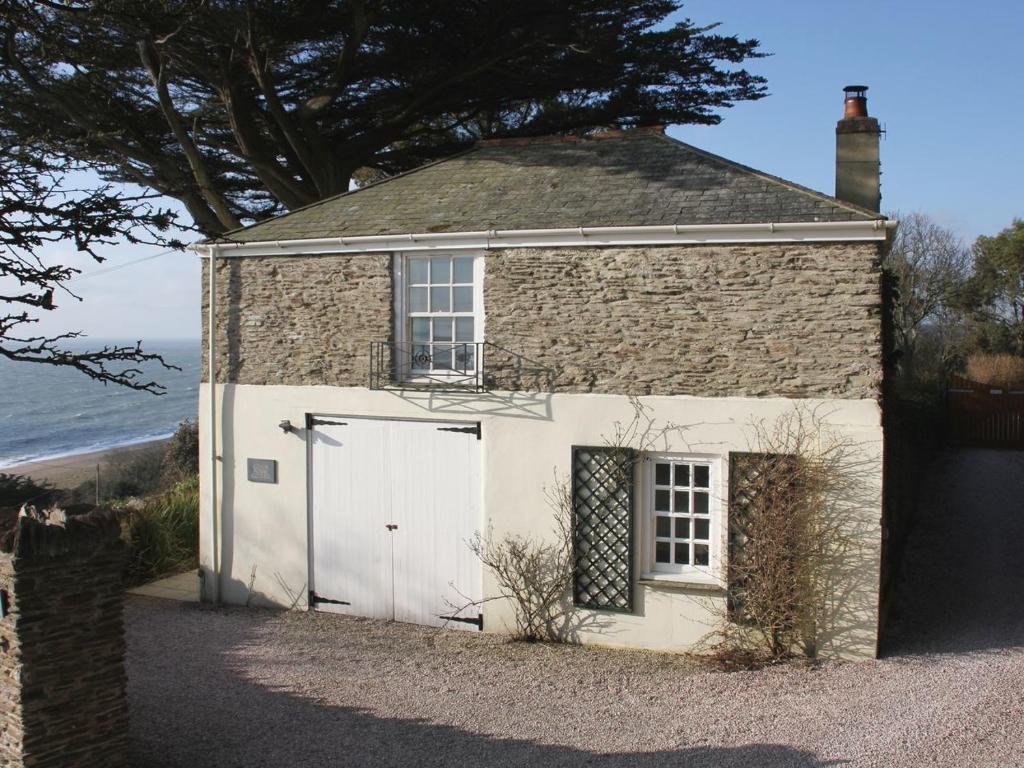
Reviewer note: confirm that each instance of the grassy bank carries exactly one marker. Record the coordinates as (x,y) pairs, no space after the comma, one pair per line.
(162,532)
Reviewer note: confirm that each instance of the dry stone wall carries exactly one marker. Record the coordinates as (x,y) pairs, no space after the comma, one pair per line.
(62,679)
(800,320)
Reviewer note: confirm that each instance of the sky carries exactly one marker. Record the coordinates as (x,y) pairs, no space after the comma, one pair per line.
(944,81)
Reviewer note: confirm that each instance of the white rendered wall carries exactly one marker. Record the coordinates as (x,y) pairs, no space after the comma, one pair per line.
(527,440)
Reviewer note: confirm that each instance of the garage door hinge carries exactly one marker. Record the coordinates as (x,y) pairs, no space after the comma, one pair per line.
(479,620)
(315,422)
(314,599)
(474,430)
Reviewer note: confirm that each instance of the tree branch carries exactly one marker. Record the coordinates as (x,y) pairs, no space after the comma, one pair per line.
(153,63)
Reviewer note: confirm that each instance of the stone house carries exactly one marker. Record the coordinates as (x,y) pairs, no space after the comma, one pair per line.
(410,363)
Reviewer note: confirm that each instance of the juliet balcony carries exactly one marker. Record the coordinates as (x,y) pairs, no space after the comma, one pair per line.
(454,366)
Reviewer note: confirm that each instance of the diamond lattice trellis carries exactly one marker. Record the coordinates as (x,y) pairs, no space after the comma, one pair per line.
(751,477)
(602,497)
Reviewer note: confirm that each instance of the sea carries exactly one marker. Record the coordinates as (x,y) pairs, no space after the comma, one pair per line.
(47,412)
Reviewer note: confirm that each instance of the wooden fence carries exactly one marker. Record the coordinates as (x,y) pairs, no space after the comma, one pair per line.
(982,416)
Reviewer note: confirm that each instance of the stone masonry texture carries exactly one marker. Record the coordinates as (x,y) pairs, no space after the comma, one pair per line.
(302,320)
(788,320)
(62,678)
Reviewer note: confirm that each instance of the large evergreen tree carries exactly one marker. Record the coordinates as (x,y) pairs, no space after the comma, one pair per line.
(241,109)
(995,292)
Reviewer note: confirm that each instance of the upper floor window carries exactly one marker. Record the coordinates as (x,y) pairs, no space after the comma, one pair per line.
(441,317)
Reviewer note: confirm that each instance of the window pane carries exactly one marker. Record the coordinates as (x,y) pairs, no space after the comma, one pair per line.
(440,299)
(462,299)
(661,501)
(682,554)
(442,357)
(440,270)
(442,329)
(700,503)
(682,527)
(418,271)
(662,550)
(700,554)
(702,529)
(420,329)
(683,475)
(661,474)
(462,269)
(664,527)
(465,354)
(464,329)
(682,501)
(701,475)
(417,299)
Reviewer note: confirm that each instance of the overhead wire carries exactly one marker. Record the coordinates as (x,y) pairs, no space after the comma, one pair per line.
(115,267)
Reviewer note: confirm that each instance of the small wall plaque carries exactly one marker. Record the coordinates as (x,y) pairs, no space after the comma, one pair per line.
(262,470)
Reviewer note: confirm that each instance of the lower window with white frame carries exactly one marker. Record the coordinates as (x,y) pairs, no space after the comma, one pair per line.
(683,517)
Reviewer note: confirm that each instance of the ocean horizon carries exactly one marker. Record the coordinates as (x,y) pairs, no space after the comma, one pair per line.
(49,412)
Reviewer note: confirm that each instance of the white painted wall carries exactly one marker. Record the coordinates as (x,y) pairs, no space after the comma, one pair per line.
(527,440)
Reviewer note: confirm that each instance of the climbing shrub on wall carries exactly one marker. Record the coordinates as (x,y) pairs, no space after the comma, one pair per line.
(792,531)
(535,574)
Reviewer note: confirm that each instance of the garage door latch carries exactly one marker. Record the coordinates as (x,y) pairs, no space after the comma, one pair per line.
(315,599)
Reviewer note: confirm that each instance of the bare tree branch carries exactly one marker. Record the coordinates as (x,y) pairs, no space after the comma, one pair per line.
(36,209)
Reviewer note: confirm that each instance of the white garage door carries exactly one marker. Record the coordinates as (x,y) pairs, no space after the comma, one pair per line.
(393,506)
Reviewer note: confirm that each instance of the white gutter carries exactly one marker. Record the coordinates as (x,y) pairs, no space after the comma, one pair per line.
(215,586)
(670,234)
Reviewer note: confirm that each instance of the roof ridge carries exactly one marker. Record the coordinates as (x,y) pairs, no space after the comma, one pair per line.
(346,193)
(609,134)
(771,177)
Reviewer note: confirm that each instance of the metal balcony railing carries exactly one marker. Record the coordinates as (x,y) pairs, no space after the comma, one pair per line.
(473,366)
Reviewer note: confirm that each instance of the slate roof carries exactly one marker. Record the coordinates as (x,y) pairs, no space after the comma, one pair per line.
(631,178)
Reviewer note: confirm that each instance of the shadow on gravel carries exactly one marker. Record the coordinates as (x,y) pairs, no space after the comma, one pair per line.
(191,709)
(961,583)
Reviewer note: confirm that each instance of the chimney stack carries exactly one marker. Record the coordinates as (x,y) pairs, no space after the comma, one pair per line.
(857,160)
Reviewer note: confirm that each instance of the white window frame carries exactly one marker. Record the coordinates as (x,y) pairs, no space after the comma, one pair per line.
(400,267)
(712,574)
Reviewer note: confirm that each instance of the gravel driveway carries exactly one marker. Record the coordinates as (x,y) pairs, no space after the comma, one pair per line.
(232,687)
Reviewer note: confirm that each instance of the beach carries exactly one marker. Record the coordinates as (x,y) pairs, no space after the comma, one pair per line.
(70,471)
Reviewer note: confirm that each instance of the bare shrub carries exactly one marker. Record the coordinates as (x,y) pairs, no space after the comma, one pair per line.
(1006,371)
(535,574)
(788,533)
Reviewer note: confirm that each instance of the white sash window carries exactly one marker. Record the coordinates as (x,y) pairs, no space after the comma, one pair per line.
(439,299)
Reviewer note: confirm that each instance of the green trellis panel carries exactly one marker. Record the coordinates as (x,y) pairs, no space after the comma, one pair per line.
(745,486)
(602,501)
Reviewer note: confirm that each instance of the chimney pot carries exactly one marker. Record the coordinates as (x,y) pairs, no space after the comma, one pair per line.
(856,103)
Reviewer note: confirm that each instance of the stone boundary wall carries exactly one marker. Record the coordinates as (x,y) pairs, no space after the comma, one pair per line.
(782,320)
(63,689)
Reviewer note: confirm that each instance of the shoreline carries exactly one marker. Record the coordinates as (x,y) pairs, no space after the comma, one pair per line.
(70,470)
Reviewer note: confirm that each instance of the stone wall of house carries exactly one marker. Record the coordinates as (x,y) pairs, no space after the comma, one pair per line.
(299,320)
(741,320)
(795,320)
(63,695)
